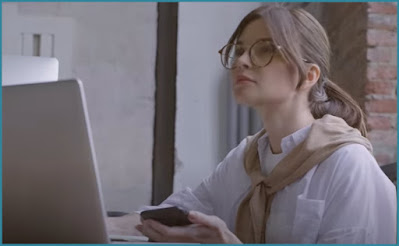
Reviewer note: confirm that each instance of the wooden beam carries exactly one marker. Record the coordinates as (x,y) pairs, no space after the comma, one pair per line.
(165,103)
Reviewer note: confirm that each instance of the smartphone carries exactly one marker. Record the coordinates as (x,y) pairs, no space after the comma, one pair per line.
(172,216)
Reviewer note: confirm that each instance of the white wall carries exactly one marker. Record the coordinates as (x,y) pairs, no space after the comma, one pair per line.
(8,17)
(114,52)
(202,90)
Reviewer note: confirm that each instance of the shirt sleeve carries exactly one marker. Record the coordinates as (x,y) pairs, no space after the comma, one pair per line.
(360,202)
(214,191)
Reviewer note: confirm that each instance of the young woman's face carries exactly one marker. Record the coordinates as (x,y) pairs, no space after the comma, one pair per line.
(257,86)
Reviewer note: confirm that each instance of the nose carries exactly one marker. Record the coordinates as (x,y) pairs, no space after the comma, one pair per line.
(243,61)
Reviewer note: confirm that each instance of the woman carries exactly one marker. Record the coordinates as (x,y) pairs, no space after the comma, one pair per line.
(309,176)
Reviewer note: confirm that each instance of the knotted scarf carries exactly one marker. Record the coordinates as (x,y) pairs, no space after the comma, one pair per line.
(326,135)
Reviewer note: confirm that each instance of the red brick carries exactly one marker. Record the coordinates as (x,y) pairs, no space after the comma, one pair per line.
(381,38)
(382,54)
(381,72)
(380,88)
(379,122)
(381,106)
(382,8)
(382,22)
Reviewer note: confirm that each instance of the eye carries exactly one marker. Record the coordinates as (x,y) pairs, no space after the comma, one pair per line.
(263,48)
(238,51)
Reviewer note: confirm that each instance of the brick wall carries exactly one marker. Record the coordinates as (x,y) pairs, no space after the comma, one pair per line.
(364,63)
(381,83)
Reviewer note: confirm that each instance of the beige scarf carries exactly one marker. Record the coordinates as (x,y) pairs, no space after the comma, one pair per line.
(325,136)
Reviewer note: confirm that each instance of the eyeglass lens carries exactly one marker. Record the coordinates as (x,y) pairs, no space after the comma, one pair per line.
(260,53)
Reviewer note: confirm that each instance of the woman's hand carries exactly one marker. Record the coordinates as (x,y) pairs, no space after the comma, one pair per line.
(205,229)
(124,225)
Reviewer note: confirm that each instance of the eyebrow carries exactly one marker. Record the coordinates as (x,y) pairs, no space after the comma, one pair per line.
(265,39)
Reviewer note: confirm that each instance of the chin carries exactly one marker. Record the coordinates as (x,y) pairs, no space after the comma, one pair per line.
(244,99)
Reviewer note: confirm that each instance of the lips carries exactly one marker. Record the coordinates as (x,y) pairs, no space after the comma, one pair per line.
(244,79)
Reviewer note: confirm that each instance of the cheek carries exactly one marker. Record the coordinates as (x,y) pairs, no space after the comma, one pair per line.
(293,74)
(279,79)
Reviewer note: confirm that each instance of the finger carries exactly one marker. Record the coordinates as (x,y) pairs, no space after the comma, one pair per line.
(203,219)
(189,234)
(202,234)
(171,233)
(139,228)
(151,233)
(160,228)
(163,233)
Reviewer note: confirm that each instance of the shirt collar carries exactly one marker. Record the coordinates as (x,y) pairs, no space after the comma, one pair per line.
(289,142)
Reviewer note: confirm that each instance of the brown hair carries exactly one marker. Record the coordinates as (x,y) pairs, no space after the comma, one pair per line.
(303,38)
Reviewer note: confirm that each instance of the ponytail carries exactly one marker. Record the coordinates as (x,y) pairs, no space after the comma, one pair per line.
(337,102)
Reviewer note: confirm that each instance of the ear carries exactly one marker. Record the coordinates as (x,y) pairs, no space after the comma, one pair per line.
(312,76)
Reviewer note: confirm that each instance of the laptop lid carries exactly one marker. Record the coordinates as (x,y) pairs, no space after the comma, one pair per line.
(51,188)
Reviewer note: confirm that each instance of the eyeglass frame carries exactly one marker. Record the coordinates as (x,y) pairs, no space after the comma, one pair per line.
(275,48)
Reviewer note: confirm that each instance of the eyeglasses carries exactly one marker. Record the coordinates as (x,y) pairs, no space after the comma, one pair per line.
(261,53)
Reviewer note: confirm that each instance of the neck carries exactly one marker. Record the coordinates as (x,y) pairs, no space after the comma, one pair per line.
(282,120)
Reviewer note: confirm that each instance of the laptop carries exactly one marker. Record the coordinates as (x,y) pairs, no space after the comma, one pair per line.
(51,187)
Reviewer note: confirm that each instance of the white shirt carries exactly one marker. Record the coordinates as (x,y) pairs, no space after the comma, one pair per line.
(344,199)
